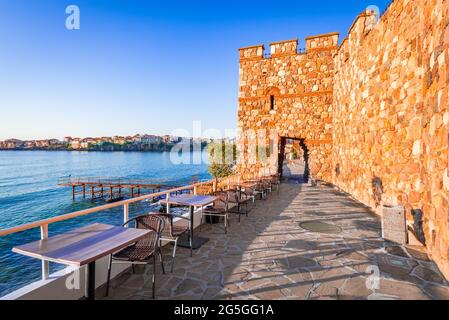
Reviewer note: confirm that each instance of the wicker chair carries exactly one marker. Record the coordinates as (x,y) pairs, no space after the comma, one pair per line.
(259,188)
(249,192)
(267,184)
(172,233)
(276,181)
(238,202)
(219,208)
(144,250)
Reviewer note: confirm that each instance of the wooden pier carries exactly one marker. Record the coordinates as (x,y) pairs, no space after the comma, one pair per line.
(112,189)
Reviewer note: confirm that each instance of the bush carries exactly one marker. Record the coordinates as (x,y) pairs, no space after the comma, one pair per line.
(222,158)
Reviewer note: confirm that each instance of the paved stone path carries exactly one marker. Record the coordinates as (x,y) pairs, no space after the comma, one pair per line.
(293,172)
(269,256)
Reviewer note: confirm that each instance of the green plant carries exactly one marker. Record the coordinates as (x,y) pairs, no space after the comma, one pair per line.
(222,158)
(295,153)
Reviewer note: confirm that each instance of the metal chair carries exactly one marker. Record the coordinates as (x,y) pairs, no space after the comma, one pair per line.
(267,184)
(259,188)
(144,250)
(219,208)
(172,233)
(249,192)
(276,181)
(239,202)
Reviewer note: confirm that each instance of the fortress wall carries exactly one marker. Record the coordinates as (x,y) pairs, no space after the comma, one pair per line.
(391,114)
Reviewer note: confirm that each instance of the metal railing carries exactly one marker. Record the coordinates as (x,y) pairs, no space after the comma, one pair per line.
(43,225)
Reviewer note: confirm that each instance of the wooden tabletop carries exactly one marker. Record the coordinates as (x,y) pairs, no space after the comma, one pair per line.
(82,246)
(190,200)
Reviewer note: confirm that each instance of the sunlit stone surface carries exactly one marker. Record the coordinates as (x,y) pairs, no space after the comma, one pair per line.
(268,256)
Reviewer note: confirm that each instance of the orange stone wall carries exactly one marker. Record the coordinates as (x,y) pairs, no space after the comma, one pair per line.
(391,114)
(301,84)
(375,109)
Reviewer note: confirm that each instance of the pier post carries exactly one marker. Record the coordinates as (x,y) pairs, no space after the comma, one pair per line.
(73,193)
(84,191)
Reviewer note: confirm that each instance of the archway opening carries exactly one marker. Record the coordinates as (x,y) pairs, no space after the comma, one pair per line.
(294,160)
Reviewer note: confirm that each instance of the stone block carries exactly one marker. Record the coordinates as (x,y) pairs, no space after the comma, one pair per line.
(394,224)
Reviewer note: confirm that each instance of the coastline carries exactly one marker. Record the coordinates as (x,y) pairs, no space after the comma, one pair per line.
(167,148)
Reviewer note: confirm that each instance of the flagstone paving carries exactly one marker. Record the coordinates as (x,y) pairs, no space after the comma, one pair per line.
(269,256)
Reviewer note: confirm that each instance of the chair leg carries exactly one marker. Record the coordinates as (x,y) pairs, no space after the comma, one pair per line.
(154,276)
(202,221)
(162,260)
(174,255)
(109,275)
(226,224)
(191,244)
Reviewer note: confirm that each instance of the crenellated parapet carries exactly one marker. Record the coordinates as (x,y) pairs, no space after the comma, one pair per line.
(252,53)
(289,47)
(282,48)
(327,41)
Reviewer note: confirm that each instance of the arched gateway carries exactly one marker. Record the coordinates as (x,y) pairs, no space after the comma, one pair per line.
(287,95)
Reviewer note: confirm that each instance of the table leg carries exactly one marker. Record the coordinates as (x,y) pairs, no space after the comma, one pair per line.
(90,281)
(192,210)
(192,241)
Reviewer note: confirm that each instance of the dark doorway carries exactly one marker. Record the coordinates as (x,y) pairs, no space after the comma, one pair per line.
(294,160)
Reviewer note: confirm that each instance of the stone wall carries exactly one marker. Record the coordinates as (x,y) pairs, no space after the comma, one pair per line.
(374,112)
(300,85)
(391,114)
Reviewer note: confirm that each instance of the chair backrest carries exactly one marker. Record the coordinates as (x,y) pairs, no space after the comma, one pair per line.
(168,221)
(222,199)
(249,189)
(150,222)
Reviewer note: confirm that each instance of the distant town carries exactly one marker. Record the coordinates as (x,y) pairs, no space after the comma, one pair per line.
(137,142)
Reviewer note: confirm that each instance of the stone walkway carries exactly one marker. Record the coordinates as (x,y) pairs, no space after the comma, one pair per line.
(269,256)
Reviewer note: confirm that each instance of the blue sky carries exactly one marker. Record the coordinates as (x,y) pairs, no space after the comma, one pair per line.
(140,66)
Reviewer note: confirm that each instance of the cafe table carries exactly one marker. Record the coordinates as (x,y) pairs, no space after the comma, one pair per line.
(82,247)
(192,201)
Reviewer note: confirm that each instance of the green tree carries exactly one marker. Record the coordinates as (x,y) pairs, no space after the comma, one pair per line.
(222,159)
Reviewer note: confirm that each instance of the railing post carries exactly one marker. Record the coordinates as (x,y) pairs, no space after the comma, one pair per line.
(126,213)
(45,264)
(167,196)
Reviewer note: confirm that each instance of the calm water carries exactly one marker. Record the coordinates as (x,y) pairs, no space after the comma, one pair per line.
(29,192)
